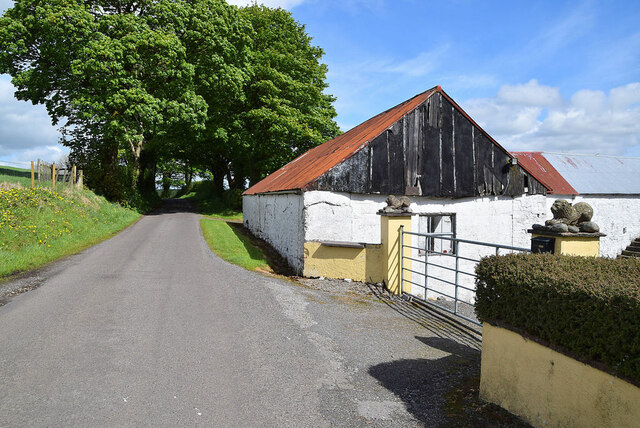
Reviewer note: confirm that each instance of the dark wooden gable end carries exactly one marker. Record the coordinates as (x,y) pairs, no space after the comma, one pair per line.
(434,150)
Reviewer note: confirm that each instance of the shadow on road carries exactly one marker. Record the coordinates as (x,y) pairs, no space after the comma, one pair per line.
(437,322)
(443,391)
(174,206)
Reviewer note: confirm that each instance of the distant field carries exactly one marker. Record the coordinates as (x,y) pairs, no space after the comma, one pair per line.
(14,169)
(15,175)
(23,181)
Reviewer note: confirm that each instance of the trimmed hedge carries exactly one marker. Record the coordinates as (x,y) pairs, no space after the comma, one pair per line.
(587,306)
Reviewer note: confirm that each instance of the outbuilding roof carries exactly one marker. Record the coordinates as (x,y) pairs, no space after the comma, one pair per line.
(308,167)
(541,169)
(573,174)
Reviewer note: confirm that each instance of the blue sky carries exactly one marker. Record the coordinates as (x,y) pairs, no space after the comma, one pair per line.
(560,76)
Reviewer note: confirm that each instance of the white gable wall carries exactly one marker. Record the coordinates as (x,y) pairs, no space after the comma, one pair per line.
(277,218)
(496,219)
(493,219)
(286,221)
(353,218)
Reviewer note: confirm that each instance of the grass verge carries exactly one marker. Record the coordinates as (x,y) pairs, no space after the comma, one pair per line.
(40,225)
(227,241)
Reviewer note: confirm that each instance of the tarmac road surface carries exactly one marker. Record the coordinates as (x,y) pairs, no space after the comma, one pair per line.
(150,328)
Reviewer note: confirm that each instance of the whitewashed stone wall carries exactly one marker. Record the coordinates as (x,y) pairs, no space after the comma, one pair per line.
(617,216)
(498,219)
(344,217)
(286,221)
(352,218)
(278,220)
(501,220)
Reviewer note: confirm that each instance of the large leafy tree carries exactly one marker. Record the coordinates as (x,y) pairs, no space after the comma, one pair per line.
(217,42)
(286,111)
(126,77)
(194,85)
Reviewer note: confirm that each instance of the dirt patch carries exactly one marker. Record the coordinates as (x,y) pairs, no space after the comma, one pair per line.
(14,285)
(464,407)
(6,185)
(348,288)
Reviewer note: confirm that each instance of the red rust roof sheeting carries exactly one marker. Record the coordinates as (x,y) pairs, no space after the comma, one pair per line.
(538,166)
(307,167)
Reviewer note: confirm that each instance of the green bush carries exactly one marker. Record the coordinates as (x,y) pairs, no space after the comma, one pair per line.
(587,306)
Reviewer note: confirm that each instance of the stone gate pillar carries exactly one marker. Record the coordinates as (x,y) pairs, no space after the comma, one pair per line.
(390,226)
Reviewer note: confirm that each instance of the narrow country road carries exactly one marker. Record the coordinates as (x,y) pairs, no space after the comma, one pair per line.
(150,328)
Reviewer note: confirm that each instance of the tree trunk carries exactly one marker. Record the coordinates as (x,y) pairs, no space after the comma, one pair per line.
(188,178)
(219,171)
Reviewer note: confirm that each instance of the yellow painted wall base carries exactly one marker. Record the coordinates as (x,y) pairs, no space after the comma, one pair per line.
(549,389)
(359,264)
(575,246)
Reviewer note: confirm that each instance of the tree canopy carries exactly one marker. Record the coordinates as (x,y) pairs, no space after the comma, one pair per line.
(198,86)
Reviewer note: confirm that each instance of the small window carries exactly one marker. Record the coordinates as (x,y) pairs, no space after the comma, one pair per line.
(444,224)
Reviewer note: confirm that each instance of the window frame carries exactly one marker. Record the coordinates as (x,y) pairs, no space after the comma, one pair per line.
(430,243)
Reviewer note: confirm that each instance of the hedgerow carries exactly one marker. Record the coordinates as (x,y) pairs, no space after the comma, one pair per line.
(587,306)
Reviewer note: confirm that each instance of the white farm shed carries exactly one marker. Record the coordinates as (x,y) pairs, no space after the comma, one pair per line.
(458,178)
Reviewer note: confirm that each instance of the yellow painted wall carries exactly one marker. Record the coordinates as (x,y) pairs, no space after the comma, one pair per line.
(390,233)
(549,389)
(578,246)
(359,264)
(575,246)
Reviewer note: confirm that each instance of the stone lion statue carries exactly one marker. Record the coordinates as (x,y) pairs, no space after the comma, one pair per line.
(571,215)
(397,204)
(571,218)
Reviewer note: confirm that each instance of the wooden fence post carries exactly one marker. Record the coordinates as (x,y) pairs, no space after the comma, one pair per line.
(73,175)
(53,175)
(38,164)
(33,176)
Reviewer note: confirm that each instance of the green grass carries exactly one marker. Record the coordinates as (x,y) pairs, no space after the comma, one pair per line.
(226,207)
(228,242)
(25,181)
(40,225)
(14,169)
(22,181)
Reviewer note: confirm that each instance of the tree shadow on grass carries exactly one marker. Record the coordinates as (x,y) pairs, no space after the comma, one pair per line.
(258,249)
(443,391)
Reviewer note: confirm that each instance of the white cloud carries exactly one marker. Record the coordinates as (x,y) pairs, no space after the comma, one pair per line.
(285,4)
(24,128)
(530,94)
(536,117)
(420,65)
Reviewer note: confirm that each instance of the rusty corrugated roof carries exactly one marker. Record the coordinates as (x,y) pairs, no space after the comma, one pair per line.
(538,166)
(309,166)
